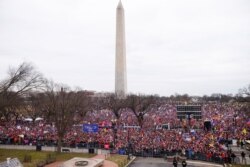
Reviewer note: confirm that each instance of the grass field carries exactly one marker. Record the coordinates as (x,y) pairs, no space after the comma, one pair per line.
(121,160)
(37,156)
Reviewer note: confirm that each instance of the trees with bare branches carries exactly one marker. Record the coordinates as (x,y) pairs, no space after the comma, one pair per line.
(14,88)
(244,98)
(33,106)
(245,91)
(140,105)
(62,105)
(114,104)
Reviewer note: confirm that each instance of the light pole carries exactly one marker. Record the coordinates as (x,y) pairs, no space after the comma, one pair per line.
(235,116)
(114,128)
(129,144)
(227,143)
(235,122)
(128,141)
(189,117)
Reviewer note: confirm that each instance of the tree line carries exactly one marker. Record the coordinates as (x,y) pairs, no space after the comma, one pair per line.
(26,92)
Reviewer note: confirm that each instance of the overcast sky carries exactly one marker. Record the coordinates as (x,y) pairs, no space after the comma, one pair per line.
(173,46)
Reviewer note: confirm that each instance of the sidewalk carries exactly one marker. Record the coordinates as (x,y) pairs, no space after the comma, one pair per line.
(204,164)
(106,162)
(55,164)
(237,151)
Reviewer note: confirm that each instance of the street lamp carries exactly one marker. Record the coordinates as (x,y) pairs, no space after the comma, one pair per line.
(235,116)
(235,122)
(227,142)
(128,142)
(114,127)
(129,145)
(189,116)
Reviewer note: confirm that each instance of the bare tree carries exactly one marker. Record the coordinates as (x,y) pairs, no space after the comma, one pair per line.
(244,98)
(33,105)
(245,91)
(61,104)
(10,112)
(18,83)
(140,105)
(115,104)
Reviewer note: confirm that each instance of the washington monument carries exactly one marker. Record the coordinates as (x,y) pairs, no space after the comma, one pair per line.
(120,54)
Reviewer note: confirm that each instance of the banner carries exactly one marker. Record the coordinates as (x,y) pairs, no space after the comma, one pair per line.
(88,128)
(106,146)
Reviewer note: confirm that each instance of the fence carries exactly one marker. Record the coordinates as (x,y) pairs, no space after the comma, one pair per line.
(159,153)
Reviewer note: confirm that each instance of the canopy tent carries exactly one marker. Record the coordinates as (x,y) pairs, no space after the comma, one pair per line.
(38,119)
(22,136)
(28,119)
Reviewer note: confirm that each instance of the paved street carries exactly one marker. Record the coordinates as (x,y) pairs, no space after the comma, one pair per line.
(237,151)
(152,162)
(159,162)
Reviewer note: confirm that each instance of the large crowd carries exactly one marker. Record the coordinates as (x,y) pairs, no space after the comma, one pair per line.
(228,122)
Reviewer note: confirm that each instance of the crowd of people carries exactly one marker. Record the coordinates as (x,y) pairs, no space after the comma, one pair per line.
(228,121)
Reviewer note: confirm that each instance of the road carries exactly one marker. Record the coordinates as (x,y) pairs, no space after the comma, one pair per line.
(152,162)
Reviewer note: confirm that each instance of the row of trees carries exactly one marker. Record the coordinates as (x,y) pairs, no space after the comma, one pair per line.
(25,92)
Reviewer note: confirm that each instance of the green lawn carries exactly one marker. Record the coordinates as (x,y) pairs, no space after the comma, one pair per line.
(241,166)
(121,160)
(37,156)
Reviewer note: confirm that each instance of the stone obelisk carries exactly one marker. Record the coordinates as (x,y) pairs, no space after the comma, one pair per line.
(120,54)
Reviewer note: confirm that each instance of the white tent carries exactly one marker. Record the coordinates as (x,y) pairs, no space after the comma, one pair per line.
(38,119)
(22,136)
(28,119)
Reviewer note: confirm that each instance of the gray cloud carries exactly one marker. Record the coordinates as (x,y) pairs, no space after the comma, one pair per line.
(196,47)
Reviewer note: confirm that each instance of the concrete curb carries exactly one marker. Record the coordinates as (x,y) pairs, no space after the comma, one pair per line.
(198,163)
(133,158)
